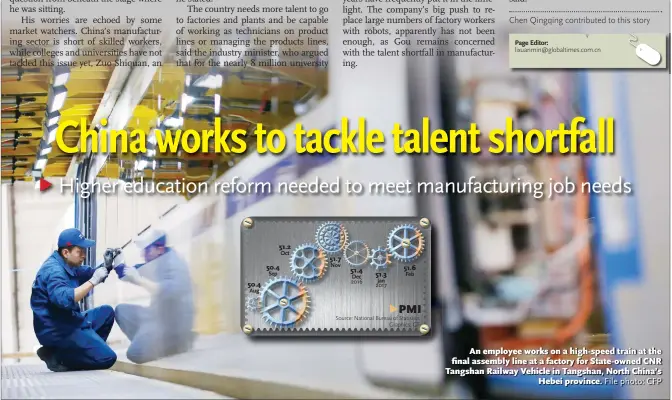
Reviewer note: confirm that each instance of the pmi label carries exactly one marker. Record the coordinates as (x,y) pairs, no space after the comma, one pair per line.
(336,276)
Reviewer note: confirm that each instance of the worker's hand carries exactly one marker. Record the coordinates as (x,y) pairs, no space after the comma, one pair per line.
(119,259)
(99,276)
(130,274)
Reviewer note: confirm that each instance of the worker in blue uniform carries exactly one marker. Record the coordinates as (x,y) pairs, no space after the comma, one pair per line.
(165,327)
(70,339)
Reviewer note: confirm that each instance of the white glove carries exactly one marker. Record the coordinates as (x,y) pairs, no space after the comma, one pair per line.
(119,259)
(131,274)
(99,276)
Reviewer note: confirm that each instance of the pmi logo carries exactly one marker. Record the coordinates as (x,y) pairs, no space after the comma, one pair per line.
(406,309)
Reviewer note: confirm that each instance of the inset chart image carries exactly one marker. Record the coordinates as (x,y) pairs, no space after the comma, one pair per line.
(336,277)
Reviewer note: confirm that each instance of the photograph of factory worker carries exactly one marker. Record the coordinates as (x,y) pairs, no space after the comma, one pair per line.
(71,339)
(165,327)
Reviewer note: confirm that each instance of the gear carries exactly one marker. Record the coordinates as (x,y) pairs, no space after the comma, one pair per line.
(284,302)
(380,258)
(356,253)
(308,262)
(405,243)
(331,237)
(252,303)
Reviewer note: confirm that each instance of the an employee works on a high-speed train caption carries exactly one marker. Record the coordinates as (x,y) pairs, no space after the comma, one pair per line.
(165,327)
(71,339)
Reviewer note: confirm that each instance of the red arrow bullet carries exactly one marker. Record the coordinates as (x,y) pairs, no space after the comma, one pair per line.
(44,184)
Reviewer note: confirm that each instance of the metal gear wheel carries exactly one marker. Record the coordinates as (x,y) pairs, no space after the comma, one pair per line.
(308,262)
(252,303)
(380,258)
(356,253)
(405,243)
(284,302)
(331,237)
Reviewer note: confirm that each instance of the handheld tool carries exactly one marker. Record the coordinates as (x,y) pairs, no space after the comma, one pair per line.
(109,256)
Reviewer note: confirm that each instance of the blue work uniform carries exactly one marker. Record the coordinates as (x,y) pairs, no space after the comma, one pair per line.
(77,338)
(165,327)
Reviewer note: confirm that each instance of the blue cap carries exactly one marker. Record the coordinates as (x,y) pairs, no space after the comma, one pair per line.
(74,237)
